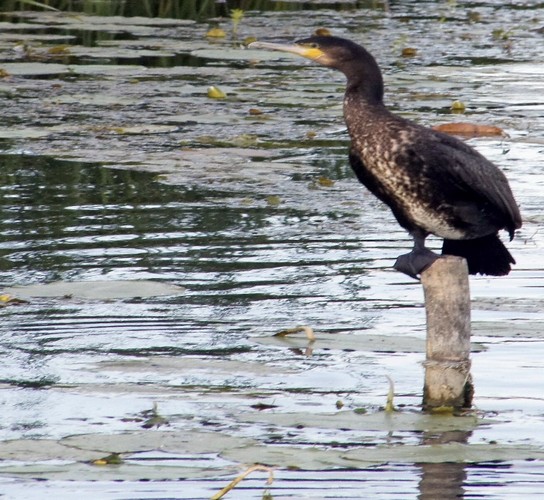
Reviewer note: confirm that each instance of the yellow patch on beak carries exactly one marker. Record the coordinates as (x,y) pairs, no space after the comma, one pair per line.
(311,52)
(307,51)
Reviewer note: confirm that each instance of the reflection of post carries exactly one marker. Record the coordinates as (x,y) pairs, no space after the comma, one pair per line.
(447,304)
(443,480)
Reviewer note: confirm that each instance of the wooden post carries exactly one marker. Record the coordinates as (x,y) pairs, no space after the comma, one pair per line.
(447,303)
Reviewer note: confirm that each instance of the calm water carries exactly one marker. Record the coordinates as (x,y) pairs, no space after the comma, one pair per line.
(117,167)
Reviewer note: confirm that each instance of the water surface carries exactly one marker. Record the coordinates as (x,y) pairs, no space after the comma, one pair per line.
(117,168)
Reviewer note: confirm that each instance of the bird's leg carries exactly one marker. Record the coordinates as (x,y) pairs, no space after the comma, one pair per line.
(419,259)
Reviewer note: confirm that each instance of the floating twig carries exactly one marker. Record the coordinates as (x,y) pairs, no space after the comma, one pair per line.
(306,329)
(242,476)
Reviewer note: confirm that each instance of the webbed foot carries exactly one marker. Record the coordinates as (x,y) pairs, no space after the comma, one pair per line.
(415,262)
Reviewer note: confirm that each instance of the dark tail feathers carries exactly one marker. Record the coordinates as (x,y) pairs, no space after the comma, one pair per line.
(486,255)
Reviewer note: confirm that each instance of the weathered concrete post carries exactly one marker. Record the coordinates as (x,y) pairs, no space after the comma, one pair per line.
(447,304)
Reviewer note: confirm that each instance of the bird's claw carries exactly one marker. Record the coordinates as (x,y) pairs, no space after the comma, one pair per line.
(415,262)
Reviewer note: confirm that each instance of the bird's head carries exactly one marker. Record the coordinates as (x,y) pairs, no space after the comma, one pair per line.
(330,51)
(360,68)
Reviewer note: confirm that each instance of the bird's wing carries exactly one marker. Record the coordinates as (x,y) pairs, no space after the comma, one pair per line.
(464,170)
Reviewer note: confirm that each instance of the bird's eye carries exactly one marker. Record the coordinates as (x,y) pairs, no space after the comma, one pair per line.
(313,45)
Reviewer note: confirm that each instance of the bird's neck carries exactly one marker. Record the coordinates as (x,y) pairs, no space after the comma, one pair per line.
(364,116)
(364,79)
(362,107)
(370,93)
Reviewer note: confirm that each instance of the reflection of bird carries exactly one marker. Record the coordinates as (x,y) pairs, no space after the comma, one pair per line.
(433,183)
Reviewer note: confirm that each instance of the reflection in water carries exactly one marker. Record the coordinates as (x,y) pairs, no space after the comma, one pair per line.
(247,268)
(443,480)
(61,215)
(63,218)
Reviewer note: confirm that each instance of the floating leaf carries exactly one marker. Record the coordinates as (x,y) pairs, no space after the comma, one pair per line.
(245,140)
(216,33)
(155,419)
(59,50)
(458,107)
(470,129)
(6,299)
(34,68)
(325,181)
(216,93)
(360,419)
(23,133)
(501,34)
(408,52)
(111,459)
(102,290)
(322,32)
(194,441)
(249,39)
(313,458)
(273,200)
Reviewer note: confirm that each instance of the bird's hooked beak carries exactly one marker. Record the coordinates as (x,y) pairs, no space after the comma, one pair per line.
(308,51)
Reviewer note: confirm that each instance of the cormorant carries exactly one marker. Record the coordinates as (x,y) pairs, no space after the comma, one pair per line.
(433,182)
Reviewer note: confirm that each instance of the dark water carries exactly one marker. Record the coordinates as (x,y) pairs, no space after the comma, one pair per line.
(72,221)
(59,216)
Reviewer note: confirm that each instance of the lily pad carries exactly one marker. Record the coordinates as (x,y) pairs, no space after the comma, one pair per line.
(69,458)
(104,52)
(351,342)
(194,442)
(42,449)
(380,421)
(23,133)
(177,364)
(78,471)
(34,37)
(108,70)
(225,53)
(34,68)
(447,452)
(100,290)
(319,458)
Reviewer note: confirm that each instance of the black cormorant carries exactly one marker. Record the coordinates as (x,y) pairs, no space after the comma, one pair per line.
(433,182)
